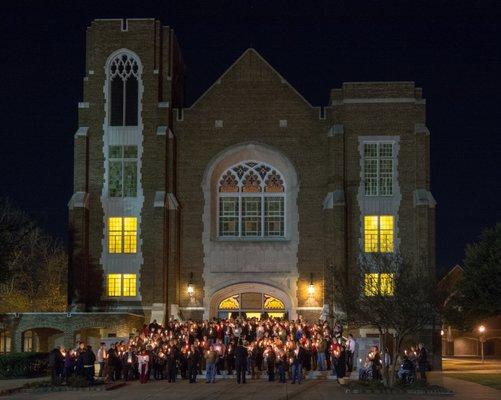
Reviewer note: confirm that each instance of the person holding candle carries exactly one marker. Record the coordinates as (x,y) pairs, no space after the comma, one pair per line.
(300,355)
(172,359)
(270,357)
(193,360)
(143,361)
(281,365)
(210,362)
(321,346)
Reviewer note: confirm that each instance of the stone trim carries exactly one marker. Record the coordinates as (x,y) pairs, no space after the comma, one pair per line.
(83,104)
(159,201)
(173,204)
(335,198)
(421,128)
(161,130)
(423,197)
(79,200)
(380,100)
(81,131)
(336,129)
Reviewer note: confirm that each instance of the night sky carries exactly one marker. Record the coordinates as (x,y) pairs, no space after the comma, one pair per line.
(450,49)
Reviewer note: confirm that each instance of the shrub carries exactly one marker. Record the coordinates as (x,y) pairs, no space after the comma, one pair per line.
(23,365)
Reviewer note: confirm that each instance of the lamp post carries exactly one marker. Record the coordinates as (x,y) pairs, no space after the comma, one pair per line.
(481,330)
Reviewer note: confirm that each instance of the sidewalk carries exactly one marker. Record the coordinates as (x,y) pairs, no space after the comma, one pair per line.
(464,389)
(8,384)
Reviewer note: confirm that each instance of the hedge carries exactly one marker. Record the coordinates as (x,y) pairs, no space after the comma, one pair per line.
(23,365)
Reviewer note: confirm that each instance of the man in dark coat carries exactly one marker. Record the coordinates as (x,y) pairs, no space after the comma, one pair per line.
(422,361)
(88,359)
(241,355)
(193,359)
(172,358)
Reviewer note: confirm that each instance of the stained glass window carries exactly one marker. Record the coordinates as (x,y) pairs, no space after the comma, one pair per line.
(272,303)
(230,303)
(378,168)
(251,201)
(378,233)
(122,171)
(124,98)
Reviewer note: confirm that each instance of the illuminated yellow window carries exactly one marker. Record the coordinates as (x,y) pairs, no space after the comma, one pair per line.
(129,285)
(115,235)
(379,284)
(114,285)
(378,233)
(122,235)
(130,235)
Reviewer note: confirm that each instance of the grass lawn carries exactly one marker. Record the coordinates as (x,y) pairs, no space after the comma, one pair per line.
(492,380)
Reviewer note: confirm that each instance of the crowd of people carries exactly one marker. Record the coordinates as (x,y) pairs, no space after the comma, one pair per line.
(278,349)
(376,366)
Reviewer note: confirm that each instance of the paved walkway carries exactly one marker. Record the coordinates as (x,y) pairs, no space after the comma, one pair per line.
(464,389)
(260,390)
(6,384)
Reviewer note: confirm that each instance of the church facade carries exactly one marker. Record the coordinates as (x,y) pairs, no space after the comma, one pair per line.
(244,200)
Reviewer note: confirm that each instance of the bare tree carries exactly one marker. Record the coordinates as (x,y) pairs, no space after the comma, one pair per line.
(33,264)
(390,293)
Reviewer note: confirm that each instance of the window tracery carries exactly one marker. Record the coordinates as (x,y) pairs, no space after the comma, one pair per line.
(123,75)
(251,201)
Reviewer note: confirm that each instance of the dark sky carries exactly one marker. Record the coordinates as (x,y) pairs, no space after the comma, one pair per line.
(451,49)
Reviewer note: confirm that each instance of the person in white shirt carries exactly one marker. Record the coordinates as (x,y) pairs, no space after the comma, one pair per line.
(351,345)
(102,354)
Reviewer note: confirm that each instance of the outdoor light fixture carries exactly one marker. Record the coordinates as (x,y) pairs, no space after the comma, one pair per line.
(190,285)
(442,332)
(481,329)
(311,287)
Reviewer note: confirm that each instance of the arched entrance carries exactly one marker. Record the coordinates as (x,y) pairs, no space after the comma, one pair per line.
(250,300)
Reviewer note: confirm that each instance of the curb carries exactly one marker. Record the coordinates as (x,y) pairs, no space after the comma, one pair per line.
(444,392)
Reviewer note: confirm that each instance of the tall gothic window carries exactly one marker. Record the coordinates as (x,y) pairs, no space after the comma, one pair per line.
(251,202)
(123,77)
(378,168)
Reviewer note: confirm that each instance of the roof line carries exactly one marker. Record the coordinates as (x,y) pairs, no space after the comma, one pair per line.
(218,80)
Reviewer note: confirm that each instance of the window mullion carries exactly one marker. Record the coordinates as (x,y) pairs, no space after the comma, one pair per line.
(262,215)
(123,101)
(239,215)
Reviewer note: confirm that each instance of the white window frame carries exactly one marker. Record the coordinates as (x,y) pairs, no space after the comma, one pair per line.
(378,159)
(124,77)
(123,160)
(262,195)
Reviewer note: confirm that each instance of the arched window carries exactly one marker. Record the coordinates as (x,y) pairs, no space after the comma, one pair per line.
(251,201)
(123,75)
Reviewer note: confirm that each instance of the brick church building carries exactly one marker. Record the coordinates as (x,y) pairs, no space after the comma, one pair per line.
(239,202)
